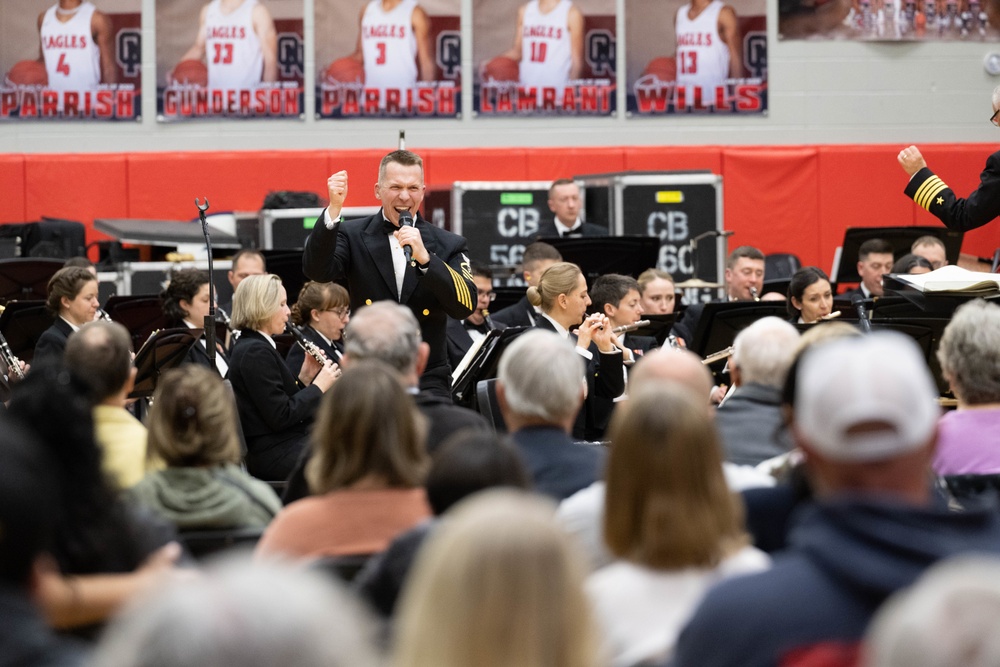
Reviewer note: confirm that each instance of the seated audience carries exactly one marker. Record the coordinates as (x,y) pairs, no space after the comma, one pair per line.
(969,352)
(72,299)
(810,297)
(673,525)
(186,303)
(192,429)
(537,257)
(275,410)
(101,355)
(468,462)
(497,585)
(366,471)
(751,424)
(865,414)
(562,296)
(912,264)
(657,292)
(258,615)
(321,312)
(540,387)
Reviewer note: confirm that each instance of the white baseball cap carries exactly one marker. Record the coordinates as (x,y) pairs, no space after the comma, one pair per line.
(865,398)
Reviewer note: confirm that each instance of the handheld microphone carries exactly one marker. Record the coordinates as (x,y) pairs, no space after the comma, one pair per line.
(858,302)
(406,220)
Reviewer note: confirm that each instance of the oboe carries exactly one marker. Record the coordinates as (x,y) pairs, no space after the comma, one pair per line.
(489,322)
(13,363)
(310,347)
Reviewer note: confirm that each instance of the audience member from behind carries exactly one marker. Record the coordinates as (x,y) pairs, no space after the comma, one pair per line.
(563,298)
(498,585)
(537,257)
(101,355)
(105,552)
(72,299)
(810,297)
(670,520)
(540,389)
(192,429)
(969,352)
(388,332)
(932,249)
(29,513)
(186,303)
(751,424)
(257,615)
(657,292)
(275,408)
(875,259)
(912,264)
(950,617)
(322,311)
(865,415)
(366,472)
(470,461)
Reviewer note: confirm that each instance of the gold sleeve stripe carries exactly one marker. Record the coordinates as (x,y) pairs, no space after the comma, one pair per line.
(461,289)
(932,194)
(922,196)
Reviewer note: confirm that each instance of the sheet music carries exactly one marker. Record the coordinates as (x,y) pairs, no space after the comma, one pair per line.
(953,278)
(467,359)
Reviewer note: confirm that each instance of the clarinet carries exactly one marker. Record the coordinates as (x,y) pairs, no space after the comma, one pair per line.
(13,363)
(310,347)
(103,314)
(235,333)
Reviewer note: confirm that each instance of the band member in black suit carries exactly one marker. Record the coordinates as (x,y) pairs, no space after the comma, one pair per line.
(875,259)
(369,255)
(186,304)
(321,312)
(247,262)
(275,409)
(72,298)
(565,204)
(562,295)
(461,335)
(537,257)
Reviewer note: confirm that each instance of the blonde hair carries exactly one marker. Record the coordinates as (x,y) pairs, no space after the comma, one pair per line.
(667,505)
(192,421)
(367,426)
(560,278)
(649,275)
(498,584)
(256,299)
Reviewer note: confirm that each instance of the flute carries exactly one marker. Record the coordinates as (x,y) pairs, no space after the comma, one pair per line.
(630,327)
(310,347)
(717,356)
(830,316)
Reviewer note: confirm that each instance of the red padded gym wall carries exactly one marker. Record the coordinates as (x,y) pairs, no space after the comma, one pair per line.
(12,188)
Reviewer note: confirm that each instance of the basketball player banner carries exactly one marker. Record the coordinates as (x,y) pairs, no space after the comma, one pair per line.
(70,60)
(388,59)
(696,57)
(229,59)
(544,57)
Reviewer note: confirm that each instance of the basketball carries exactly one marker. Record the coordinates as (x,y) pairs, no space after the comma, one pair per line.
(664,69)
(189,73)
(501,68)
(345,70)
(27,73)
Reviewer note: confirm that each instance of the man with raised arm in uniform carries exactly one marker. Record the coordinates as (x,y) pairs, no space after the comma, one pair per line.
(369,254)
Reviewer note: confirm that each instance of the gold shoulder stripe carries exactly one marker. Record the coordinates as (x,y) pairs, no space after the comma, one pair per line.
(461,288)
(921,196)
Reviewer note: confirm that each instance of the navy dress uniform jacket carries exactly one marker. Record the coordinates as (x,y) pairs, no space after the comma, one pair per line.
(982,206)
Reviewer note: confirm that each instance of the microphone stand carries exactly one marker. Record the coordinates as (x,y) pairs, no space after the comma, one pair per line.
(210,318)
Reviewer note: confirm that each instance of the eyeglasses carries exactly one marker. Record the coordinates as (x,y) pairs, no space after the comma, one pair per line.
(491,295)
(341,312)
(994,119)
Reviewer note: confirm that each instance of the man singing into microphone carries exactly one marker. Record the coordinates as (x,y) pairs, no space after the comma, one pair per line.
(395,254)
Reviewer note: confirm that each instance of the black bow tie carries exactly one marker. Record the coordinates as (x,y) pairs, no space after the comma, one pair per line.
(481,328)
(576,231)
(388,227)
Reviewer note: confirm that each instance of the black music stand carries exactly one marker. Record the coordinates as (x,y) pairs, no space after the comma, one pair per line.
(287,264)
(164,350)
(25,279)
(598,255)
(659,326)
(926,332)
(483,365)
(901,238)
(141,314)
(22,324)
(507,296)
(721,321)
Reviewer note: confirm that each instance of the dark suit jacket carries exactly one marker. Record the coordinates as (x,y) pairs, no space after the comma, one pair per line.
(687,324)
(459,340)
(52,343)
(358,251)
(559,467)
(275,411)
(639,345)
(982,206)
(521,314)
(198,354)
(751,426)
(548,228)
(296,355)
(605,382)
(604,406)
